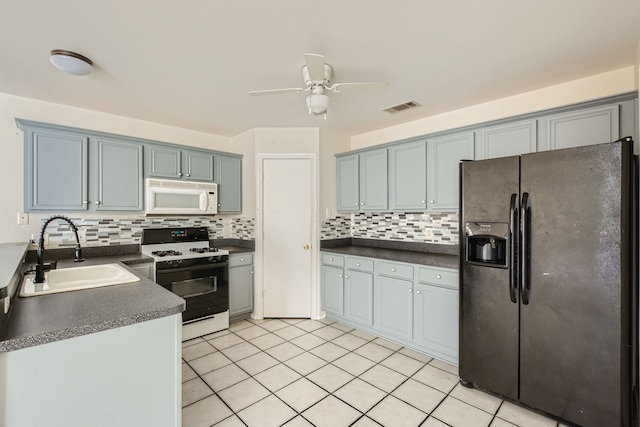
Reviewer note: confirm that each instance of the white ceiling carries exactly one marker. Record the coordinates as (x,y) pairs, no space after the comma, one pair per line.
(190,63)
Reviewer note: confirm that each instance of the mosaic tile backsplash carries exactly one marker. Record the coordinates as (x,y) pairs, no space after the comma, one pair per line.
(420,227)
(125,231)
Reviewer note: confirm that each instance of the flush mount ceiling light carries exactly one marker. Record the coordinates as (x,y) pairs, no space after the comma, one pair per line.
(71,62)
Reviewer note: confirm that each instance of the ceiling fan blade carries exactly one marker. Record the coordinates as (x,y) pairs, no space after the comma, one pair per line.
(315,66)
(276,91)
(358,87)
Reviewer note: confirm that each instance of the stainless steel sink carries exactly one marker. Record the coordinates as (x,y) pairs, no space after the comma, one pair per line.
(77,278)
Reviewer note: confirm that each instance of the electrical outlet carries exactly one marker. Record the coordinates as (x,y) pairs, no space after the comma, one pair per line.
(23,218)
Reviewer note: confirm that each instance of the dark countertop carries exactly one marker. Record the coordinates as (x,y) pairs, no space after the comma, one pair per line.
(48,318)
(433,255)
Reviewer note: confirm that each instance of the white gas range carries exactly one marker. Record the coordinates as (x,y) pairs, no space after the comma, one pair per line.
(186,265)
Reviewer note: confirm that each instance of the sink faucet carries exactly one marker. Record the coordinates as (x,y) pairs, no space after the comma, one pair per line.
(41,267)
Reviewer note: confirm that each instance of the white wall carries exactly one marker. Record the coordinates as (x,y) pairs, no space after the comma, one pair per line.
(597,86)
(11,144)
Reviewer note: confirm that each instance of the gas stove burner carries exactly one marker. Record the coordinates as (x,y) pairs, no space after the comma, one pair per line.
(203,250)
(166,253)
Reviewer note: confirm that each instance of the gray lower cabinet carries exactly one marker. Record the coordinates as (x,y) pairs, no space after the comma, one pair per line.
(443,157)
(358,290)
(228,175)
(435,311)
(510,139)
(165,161)
(362,181)
(413,305)
(408,176)
(59,166)
(240,285)
(332,279)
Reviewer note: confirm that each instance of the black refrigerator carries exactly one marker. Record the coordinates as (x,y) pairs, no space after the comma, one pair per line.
(548,281)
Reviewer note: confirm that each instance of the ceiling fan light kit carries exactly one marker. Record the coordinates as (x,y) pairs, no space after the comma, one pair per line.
(317,75)
(71,62)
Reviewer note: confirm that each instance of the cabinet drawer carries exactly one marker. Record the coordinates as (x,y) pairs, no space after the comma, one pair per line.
(334,260)
(240,259)
(360,264)
(392,269)
(434,276)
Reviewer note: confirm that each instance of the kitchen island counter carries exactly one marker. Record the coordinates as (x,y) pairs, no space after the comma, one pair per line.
(48,318)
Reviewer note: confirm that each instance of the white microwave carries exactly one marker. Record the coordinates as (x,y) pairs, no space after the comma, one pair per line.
(167,197)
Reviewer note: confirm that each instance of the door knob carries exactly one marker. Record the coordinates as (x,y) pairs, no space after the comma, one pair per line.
(306,247)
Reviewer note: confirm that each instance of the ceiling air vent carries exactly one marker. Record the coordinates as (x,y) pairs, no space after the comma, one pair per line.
(401,107)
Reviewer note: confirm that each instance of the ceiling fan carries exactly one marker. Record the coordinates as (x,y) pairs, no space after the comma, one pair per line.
(317,77)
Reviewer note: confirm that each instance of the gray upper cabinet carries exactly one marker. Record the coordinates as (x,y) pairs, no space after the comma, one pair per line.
(443,156)
(583,127)
(228,175)
(174,163)
(118,169)
(373,180)
(408,176)
(362,181)
(56,169)
(57,172)
(510,139)
(348,191)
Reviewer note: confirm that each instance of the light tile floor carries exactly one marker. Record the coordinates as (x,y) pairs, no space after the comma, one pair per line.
(301,372)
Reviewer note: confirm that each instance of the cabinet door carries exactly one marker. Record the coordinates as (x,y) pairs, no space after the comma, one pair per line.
(443,157)
(359,297)
(510,139)
(240,290)
(373,180)
(163,162)
(197,166)
(408,176)
(56,170)
(348,186)
(583,127)
(117,168)
(393,306)
(332,290)
(228,171)
(436,319)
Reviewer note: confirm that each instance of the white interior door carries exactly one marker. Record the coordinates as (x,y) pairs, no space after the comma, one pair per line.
(287,212)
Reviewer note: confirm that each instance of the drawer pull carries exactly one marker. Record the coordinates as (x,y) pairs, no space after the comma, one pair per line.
(241,259)
(438,276)
(418,292)
(346,277)
(330,259)
(358,264)
(393,269)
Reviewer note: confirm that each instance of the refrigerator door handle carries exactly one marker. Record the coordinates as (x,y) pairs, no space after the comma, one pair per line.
(513,231)
(525,224)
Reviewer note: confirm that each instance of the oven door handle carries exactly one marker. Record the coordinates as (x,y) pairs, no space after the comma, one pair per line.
(196,268)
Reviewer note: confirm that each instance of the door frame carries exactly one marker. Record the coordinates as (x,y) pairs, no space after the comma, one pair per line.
(258,312)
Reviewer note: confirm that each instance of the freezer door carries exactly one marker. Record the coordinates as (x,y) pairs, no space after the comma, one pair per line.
(488,317)
(573,317)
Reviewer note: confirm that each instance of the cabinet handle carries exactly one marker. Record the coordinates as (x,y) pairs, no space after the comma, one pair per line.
(393,269)
(423,202)
(410,289)
(438,276)
(97,202)
(341,276)
(330,259)
(251,271)
(85,202)
(219,204)
(305,247)
(180,174)
(418,292)
(188,174)
(358,264)
(346,277)
(357,203)
(432,201)
(362,204)
(241,259)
